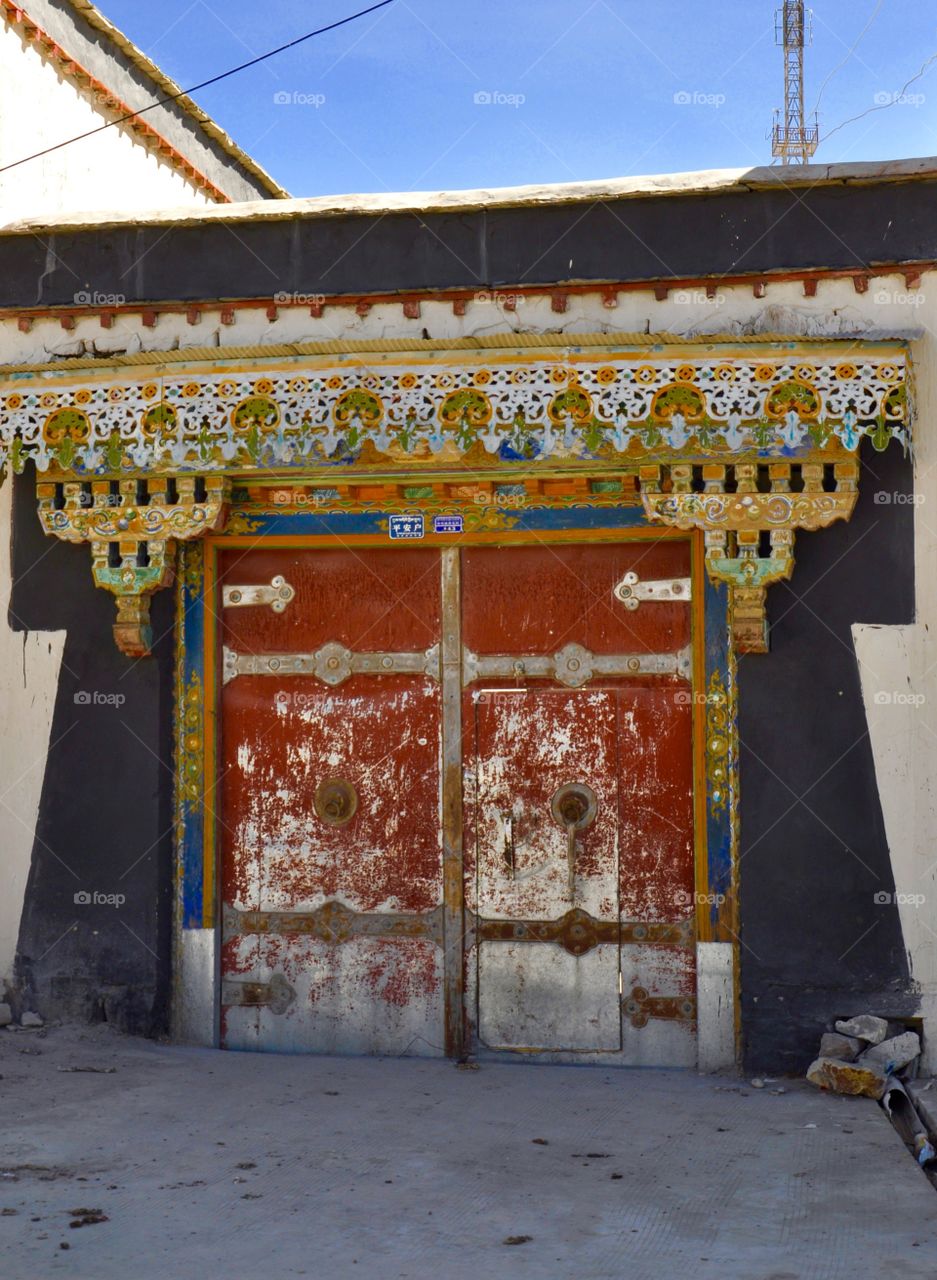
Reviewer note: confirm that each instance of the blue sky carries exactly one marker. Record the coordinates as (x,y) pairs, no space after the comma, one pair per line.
(442,94)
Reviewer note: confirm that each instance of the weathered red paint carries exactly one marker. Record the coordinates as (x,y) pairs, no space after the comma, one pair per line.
(283,736)
(628,739)
(538,599)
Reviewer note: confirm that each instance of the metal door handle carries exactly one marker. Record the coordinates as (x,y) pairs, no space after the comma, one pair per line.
(509,860)
(574,806)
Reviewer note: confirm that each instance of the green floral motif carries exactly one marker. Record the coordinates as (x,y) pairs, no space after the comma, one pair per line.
(574,402)
(793,395)
(257,412)
(678,398)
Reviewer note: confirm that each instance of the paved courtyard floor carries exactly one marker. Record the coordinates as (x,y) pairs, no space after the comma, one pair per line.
(213,1166)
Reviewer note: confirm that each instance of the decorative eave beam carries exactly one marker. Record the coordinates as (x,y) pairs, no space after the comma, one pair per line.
(132,527)
(738,517)
(746,445)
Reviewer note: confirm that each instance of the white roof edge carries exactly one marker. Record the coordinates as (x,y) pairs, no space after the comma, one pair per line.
(702,182)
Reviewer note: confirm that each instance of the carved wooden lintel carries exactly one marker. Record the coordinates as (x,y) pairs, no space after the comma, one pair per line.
(132,527)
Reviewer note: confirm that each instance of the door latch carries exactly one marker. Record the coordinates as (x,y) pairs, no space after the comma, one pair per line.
(277,595)
(574,806)
(276,994)
(510,862)
(631,590)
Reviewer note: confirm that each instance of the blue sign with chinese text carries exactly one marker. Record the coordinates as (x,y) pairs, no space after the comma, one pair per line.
(406,527)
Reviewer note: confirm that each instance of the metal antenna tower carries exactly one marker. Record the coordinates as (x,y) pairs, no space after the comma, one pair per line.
(792,138)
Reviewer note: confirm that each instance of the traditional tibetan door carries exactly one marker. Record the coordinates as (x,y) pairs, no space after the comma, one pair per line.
(580,793)
(342,889)
(332,871)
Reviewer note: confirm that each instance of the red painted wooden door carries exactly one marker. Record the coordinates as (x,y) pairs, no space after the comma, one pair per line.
(583,930)
(332,880)
(341,741)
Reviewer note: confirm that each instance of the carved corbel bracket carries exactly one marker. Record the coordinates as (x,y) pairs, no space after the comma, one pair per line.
(748,513)
(132,527)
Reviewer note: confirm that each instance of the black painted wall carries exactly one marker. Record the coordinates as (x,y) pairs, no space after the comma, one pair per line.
(105,820)
(815,943)
(650,238)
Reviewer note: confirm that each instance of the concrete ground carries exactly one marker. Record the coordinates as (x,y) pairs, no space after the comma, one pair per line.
(210,1165)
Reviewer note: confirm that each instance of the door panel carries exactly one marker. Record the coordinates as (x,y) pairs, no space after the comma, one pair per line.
(529,745)
(335,920)
(341,910)
(538,599)
(609,968)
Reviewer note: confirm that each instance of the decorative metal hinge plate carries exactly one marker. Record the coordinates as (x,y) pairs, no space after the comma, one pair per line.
(334,922)
(573,665)
(276,994)
(640,1007)
(277,595)
(578,932)
(631,591)
(332,664)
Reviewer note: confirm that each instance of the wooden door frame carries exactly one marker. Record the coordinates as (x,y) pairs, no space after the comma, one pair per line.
(196,987)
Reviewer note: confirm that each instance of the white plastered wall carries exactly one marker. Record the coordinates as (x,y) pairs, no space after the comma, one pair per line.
(29,677)
(40,109)
(904,736)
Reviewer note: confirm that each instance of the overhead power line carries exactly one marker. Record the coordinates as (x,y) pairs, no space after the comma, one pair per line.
(205,84)
(851,51)
(892,99)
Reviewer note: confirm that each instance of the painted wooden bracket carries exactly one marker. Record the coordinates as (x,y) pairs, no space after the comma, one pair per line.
(748,513)
(133,527)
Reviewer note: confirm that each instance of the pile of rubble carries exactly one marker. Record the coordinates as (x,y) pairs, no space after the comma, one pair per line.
(876,1059)
(28,1021)
(862,1055)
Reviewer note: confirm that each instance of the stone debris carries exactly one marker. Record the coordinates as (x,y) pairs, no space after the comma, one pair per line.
(833,1044)
(892,1055)
(863,1056)
(847,1077)
(865,1027)
(30,1019)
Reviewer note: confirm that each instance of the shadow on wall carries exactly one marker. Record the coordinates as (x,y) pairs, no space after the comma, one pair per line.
(95,936)
(816,943)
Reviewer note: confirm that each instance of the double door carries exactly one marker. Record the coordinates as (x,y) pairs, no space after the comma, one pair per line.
(456,801)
